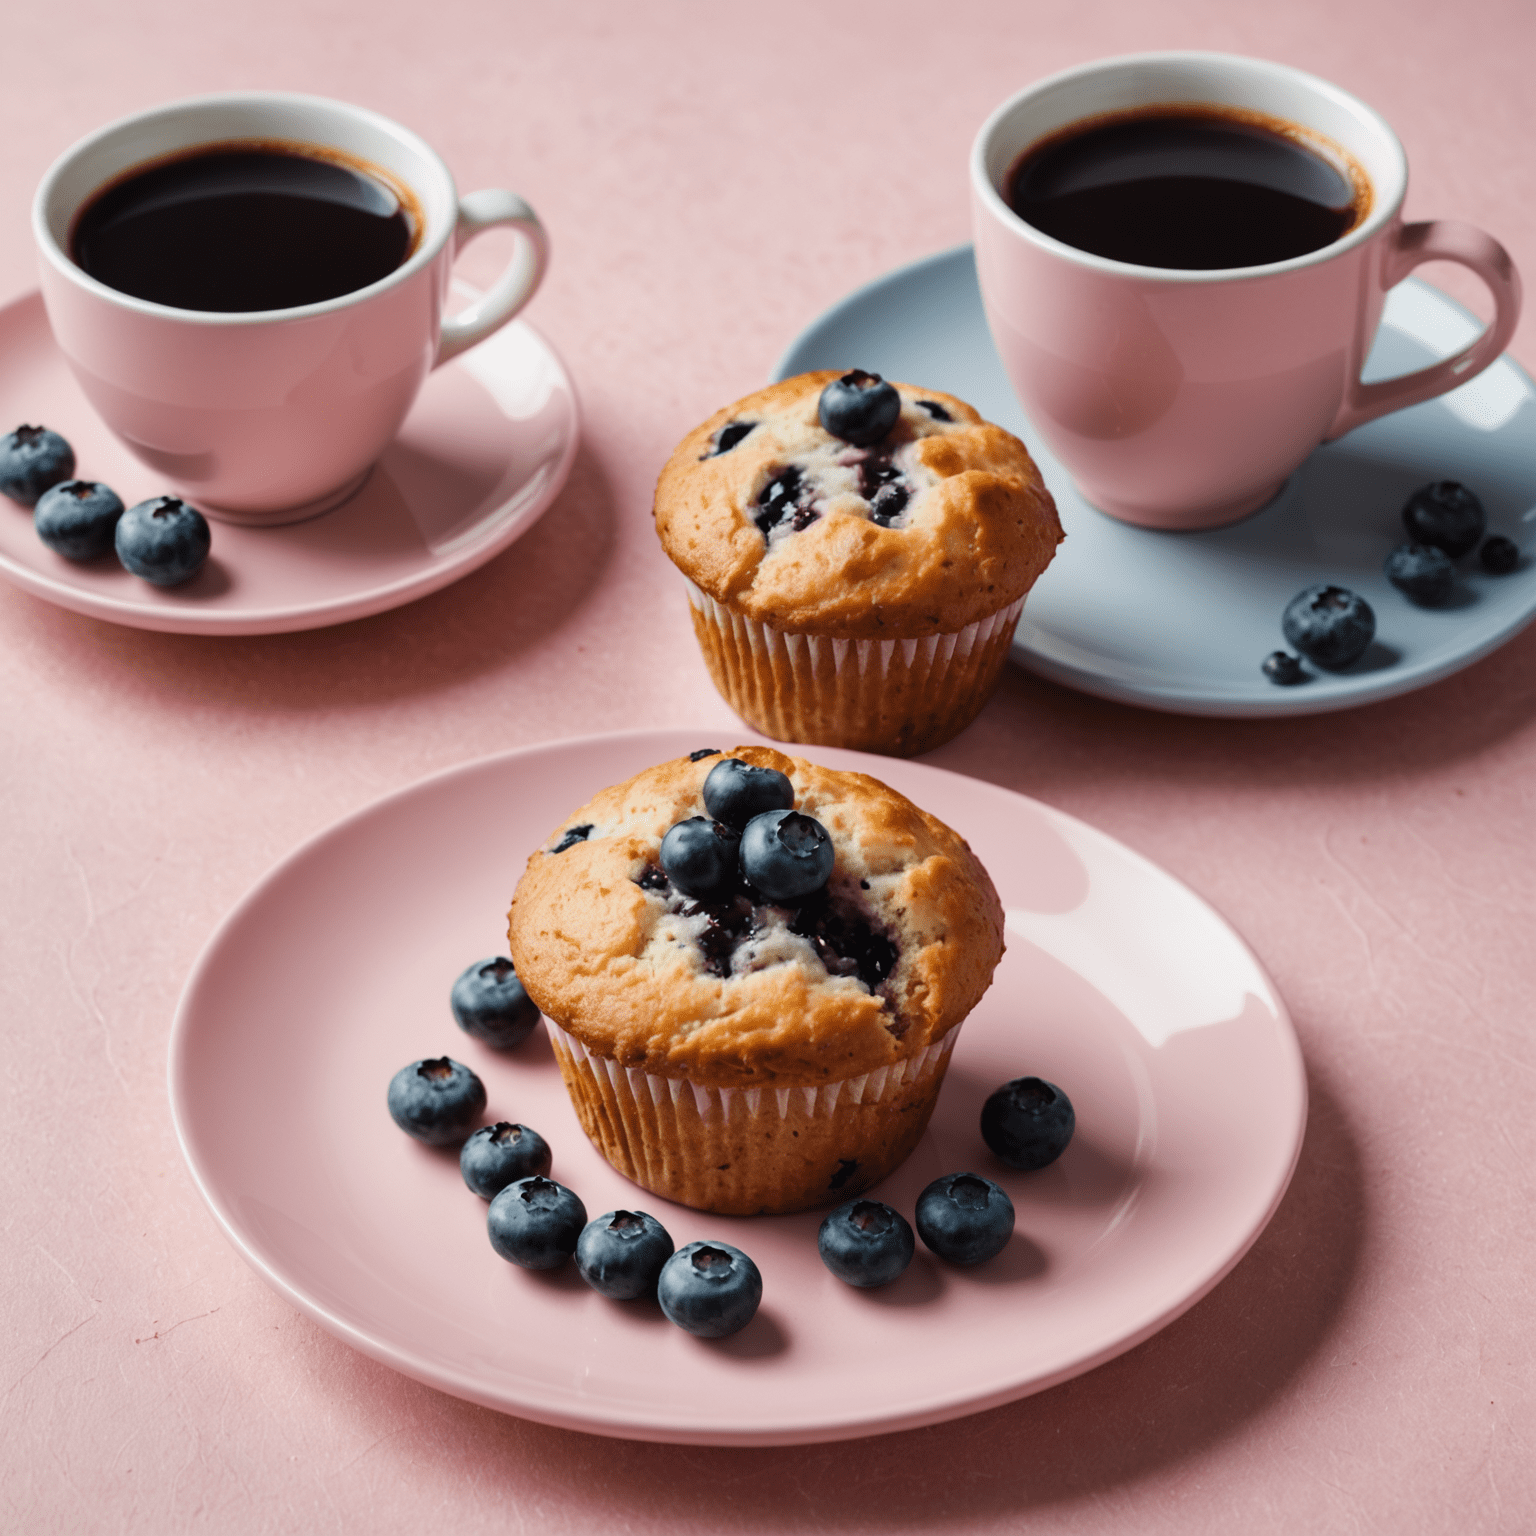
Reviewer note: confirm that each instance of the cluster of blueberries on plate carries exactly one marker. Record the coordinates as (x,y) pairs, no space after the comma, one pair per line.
(162,540)
(1332,626)
(710,1289)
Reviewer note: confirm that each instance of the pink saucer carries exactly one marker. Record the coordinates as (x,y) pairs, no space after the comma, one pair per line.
(1119,984)
(484,452)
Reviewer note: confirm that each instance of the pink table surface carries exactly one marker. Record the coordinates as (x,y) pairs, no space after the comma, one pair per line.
(713,178)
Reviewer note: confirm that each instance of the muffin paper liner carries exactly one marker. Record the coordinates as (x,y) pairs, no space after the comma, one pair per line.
(741,1151)
(900,696)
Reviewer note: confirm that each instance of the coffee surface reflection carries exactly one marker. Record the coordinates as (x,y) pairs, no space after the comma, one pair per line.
(239,228)
(1190,188)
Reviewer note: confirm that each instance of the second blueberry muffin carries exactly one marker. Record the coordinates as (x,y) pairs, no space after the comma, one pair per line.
(745,1049)
(857,554)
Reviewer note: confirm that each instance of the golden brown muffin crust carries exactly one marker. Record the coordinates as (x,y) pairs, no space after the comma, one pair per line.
(601,955)
(981,526)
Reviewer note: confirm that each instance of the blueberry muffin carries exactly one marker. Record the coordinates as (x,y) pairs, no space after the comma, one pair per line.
(753,970)
(857,554)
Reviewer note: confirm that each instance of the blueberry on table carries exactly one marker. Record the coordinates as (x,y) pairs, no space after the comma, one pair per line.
(535,1223)
(735,792)
(1329,625)
(78,518)
(786,855)
(964,1218)
(1283,669)
(866,1243)
(1028,1123)
(699,857)
(32,459)
(1499,556)
(436,1100)
(1422,573)
(1445,514)
(500,1154)
(710,1289)
(621,1254)
(163,540)
(489,1003)
(860,408)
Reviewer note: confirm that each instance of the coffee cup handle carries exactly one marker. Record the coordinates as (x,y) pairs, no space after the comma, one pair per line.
(1439,240)
(478,212)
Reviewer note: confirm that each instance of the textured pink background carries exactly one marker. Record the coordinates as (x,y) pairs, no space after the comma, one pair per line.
(714,177)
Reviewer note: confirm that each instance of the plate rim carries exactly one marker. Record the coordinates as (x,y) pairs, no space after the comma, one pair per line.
(1370,688)
(615,1420)
(62,593)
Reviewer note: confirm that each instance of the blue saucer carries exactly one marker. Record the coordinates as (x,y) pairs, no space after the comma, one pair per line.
(1182,621)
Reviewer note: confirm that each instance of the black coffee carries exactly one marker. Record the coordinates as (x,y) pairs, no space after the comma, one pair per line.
(1186,187)
(242,227)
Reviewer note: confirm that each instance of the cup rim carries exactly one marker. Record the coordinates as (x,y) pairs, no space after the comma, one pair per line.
(426,252)
(1384,208)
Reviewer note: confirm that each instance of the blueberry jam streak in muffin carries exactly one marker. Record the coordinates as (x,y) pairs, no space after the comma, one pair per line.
(885,488)
(744,933)
(787,499)
(879,482)
(796,495)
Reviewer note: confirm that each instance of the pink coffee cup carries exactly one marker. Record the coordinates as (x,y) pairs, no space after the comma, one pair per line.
(1184,399)
(272,416)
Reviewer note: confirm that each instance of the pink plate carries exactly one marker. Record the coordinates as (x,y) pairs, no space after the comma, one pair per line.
(485,450)
(1119,984)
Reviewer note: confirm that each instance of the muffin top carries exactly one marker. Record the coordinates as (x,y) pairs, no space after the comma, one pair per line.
(738,989)
(941,521)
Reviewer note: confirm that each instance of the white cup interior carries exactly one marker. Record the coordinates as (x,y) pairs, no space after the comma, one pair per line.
(121,146)
(1155,79)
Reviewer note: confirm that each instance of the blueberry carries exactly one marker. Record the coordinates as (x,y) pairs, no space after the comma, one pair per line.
(621,1254)
(710,1289)
(727,438)
(489,1002)
(786,855)
(890,501)
(1028,1123)
(1499,555)
(699,857)
(1445,514)
(31,460)
(1283,668)
(571,836)
(702,753)
(1422,573)
(1329,625)
(496,1155)
(866,1243)
(436,1101)
(786,495)
(163,540)
(77,518)
(964,1218)
(860,408)
(535,1223)
(735,792)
